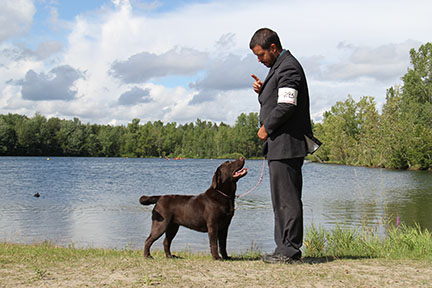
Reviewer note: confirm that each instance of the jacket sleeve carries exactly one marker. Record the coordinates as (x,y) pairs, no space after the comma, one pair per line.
(287,77)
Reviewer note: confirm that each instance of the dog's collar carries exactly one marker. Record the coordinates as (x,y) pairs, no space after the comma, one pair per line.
(223,194)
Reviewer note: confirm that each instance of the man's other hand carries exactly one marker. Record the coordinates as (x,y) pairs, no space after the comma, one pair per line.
(262,133)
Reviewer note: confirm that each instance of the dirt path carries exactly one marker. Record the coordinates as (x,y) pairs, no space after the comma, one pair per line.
(204,272)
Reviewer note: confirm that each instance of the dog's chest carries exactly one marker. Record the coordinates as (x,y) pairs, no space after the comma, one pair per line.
(226,212)
(229,210)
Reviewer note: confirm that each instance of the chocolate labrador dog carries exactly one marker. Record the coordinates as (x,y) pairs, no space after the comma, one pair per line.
(209,212)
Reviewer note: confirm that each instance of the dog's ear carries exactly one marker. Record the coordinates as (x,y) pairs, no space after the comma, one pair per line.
(216,178)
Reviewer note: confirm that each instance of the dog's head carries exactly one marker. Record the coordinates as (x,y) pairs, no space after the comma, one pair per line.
(227,175)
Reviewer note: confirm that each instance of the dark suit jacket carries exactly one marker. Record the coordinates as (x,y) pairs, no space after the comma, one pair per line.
(286,123)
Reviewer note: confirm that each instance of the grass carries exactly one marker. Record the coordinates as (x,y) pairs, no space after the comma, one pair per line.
(336,258)
(402,242)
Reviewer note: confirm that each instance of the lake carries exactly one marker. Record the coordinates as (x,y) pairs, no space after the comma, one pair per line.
(93,202)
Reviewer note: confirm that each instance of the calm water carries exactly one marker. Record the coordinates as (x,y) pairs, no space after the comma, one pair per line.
(93,202)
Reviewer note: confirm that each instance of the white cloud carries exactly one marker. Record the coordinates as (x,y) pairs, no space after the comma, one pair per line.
(134,96)
(225,41)
(144,66)
(15,17)
(382,63)
(226,73)
(57,85)
(131,57)
(43,51)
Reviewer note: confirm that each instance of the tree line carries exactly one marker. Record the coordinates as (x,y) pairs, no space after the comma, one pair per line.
(39,136)
(353,133)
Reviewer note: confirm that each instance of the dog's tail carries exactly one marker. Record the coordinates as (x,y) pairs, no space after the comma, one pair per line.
(148,200)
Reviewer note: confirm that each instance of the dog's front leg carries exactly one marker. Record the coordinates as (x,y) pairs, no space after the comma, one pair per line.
(223,234)
(213,236)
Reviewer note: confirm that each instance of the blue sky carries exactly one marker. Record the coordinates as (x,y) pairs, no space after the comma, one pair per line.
(108,61)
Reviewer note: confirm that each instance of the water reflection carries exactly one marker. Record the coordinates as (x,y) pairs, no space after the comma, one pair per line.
(415,207)
(375,197)
(94,201)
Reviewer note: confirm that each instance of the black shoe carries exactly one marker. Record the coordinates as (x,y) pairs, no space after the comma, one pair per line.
(278,258)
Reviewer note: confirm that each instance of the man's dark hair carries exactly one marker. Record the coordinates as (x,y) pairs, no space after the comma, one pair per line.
(264,37)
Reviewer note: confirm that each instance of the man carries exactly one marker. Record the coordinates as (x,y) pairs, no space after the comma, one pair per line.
(286,130)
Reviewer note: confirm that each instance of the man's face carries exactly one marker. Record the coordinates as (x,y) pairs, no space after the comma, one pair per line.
(266,57)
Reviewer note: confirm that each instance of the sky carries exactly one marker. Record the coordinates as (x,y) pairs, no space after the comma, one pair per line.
(108,62)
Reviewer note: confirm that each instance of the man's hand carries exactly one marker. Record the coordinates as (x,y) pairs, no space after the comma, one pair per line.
(257,84)
(262,133)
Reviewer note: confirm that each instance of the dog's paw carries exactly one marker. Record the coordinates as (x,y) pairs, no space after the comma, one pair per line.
(174,257)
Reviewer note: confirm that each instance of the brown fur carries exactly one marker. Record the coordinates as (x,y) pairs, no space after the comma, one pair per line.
(210,211)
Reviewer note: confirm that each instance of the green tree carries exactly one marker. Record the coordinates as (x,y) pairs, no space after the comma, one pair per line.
(29,135)
(223,140)
(131,138)
(415,116)
(370,150)
(394,130)
(417,81)
(157,138)
(7,137)
(48,132)
(417,107)
(245,139)
(72,137)
(339,132)
(109,141)
(187,145)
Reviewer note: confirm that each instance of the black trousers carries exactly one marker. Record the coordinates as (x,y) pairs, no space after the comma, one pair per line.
(286,190)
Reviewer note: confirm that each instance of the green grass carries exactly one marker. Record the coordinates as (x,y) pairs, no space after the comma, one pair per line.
(333,258)
(401,242)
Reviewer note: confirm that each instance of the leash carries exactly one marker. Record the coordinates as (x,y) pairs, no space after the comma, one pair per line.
(259,181)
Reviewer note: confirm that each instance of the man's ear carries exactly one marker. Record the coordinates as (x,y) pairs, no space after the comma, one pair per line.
(273,48)
(216,178)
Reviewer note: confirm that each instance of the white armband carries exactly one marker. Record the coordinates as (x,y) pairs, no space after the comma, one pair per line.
(287,95)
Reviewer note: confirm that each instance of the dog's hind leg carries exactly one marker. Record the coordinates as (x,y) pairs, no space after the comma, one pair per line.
(149,241)
(170,233)
(158,228)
